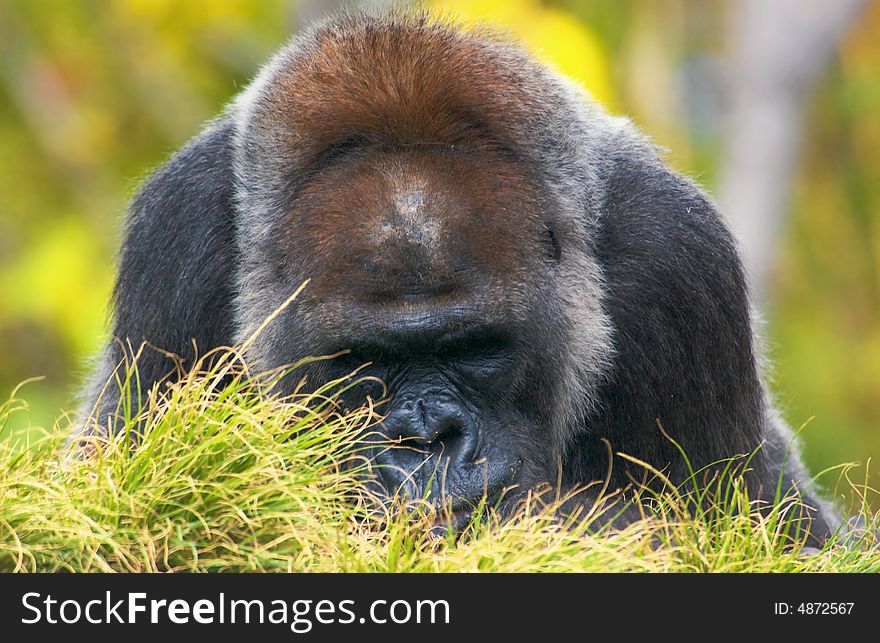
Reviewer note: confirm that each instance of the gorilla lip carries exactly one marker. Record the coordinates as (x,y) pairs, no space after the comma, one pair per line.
(454,521)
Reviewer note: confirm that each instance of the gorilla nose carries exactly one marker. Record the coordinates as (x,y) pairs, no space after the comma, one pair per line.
(434,452)
(440,424)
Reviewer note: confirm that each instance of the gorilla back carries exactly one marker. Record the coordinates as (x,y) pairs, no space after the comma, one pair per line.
(524,272)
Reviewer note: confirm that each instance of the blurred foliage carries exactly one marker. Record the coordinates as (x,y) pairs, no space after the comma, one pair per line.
(95,94)
(825,322)
(555,35)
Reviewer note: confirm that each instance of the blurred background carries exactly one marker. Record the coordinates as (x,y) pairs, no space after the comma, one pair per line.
(773,105)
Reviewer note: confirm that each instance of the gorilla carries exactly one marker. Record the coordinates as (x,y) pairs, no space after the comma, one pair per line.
(528,277)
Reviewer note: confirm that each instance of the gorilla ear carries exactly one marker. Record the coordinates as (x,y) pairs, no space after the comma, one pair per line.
(177,265)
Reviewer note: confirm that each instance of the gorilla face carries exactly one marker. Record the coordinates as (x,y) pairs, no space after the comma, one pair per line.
(422,277)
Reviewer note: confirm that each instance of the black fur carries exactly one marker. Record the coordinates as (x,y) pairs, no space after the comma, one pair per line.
(679,307)
(177,269)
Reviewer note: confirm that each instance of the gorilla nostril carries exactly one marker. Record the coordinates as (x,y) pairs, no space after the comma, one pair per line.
(439,426)
(446,431)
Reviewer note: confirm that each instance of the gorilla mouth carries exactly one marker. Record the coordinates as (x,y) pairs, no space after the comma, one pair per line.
(455,510)
(455,489)
(451,522)
(456,516)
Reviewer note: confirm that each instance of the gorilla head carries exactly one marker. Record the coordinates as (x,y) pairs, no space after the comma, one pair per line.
(521,269)
(413,193)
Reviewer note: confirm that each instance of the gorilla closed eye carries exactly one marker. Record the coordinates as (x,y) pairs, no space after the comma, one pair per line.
(475,343)
(328,157)
(456,345)
(337,151)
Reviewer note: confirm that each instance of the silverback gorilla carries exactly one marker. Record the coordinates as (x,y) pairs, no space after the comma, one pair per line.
(527,276)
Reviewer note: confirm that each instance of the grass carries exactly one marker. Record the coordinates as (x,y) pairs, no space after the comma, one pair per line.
(228,478)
